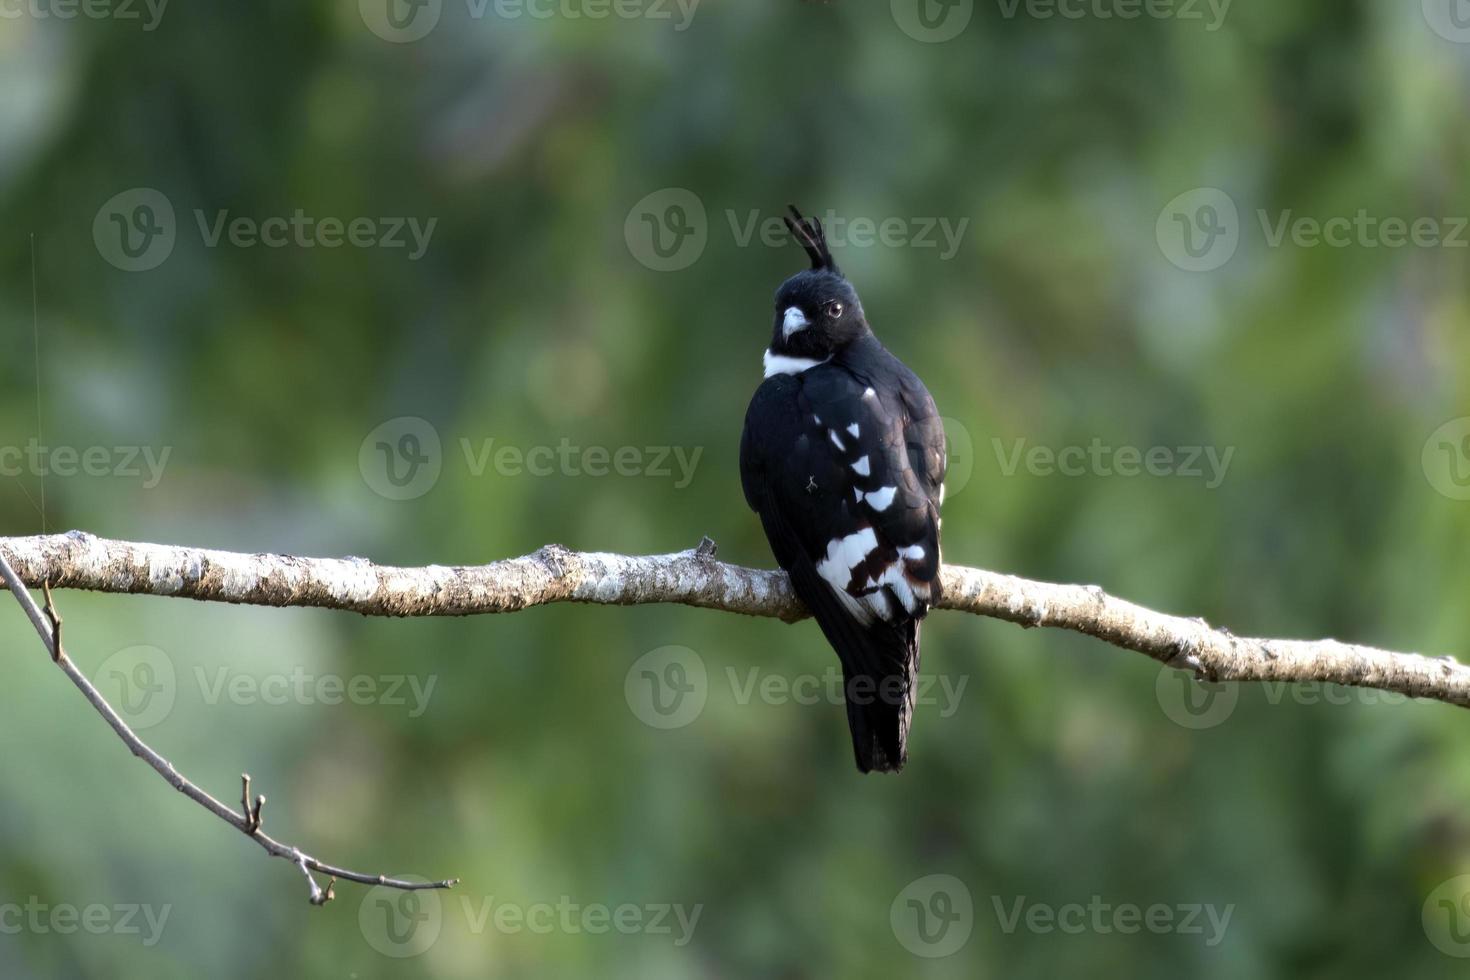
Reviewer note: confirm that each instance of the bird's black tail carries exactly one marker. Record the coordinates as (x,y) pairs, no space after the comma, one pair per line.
(880,671)
(881,681)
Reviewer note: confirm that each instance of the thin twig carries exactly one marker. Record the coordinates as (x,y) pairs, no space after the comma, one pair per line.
(247,823)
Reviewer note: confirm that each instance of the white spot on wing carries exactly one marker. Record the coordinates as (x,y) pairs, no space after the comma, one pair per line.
(836,440)
(870,393)
(844,554)
(861,467)
(914,552)
(881,499)
(878,602)
(856,609)
(854,430)
(893,577)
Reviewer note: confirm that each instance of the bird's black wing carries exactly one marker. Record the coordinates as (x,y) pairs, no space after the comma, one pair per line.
(845,471)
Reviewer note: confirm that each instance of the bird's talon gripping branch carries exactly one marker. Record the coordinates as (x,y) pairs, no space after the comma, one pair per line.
(707,548)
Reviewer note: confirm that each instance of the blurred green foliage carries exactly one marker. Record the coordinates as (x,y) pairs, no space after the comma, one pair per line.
(532,317)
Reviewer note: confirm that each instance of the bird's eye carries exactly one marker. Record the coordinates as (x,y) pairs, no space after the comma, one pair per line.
(833,309)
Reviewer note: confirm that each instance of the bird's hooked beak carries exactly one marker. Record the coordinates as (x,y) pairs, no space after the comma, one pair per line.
(793,321)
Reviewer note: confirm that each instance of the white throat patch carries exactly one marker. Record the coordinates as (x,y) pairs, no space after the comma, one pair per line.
(781,364)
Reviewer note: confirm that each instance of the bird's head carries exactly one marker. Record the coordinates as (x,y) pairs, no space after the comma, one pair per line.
(817,310)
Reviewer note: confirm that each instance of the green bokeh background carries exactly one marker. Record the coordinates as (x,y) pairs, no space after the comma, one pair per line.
(1062,773)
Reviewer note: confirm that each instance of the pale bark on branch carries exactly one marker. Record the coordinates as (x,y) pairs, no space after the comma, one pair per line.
(554,574)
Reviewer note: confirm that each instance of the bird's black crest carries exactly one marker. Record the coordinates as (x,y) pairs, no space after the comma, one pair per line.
(809,232)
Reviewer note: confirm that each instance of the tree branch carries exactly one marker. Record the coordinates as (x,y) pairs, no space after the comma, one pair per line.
(48,627)
(81,561)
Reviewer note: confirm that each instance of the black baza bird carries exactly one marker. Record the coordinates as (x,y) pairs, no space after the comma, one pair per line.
(843,458)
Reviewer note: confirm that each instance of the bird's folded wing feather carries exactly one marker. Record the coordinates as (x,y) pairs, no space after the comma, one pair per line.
(849,481)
